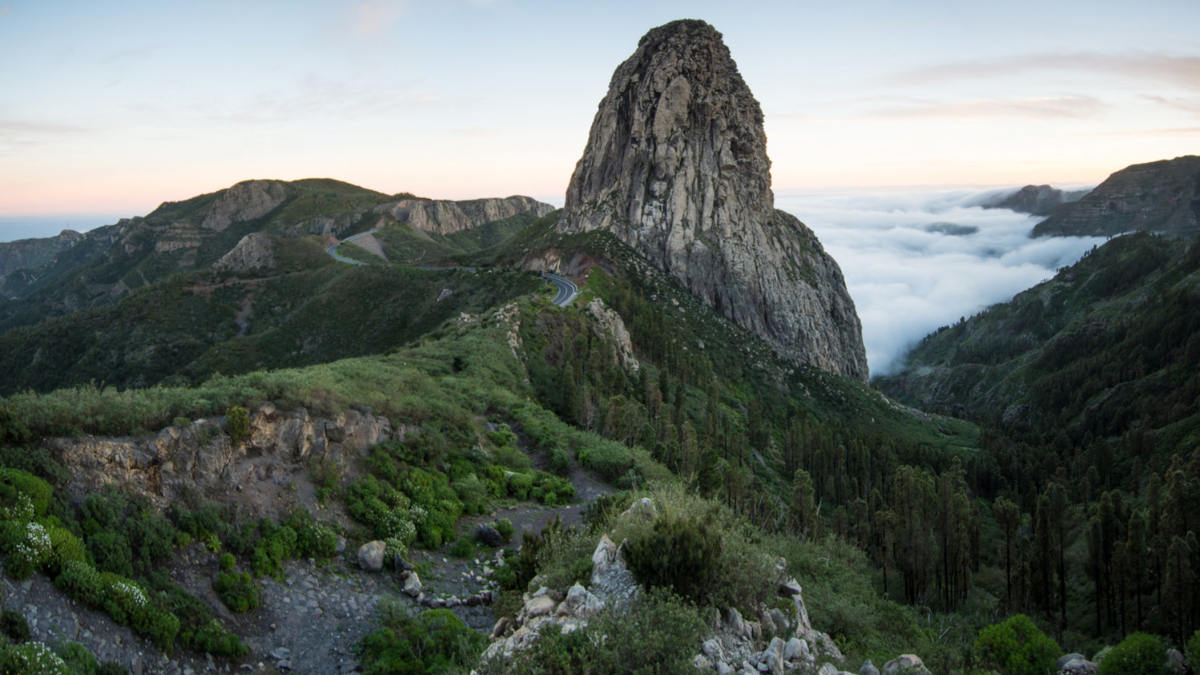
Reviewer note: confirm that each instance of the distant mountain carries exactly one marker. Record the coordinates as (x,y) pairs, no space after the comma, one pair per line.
(1109,344)
(1037,200)
(1161,197)
(48,277)
(676,167)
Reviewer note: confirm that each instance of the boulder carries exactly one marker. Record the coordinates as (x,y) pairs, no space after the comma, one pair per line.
(796,649)
(580,603)
(488,536)
(868,668)
(412,584)
(910,664)
(1077,665)
(370,555)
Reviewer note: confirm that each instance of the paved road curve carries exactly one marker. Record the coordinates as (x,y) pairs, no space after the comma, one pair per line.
(332,250)
(567,290)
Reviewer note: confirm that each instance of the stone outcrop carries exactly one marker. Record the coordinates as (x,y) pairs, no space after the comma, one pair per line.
(199,456)
(253,253)
(1161,197)
(245,201)
(676,167)
(609,325)
(444,217)
(910,664)
(1036,200)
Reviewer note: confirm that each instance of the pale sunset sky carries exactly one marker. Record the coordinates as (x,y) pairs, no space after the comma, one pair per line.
(109,108)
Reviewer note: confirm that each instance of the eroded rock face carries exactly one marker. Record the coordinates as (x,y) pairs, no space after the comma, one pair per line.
(200,457)
(245,201)
(676,166)
(253,253)
(444,217)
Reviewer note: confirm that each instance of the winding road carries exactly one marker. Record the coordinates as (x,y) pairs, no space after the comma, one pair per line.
(567,290)
(332,250)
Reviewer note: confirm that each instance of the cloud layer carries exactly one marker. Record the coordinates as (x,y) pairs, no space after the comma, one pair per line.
(912,262)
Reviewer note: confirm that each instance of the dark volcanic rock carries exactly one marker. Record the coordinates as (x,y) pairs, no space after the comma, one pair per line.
(1161,197)
(676,166)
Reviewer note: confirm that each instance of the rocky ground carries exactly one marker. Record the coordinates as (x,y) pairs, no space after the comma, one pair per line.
(311,621)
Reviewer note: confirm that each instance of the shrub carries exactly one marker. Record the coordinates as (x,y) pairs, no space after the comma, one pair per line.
(277,545)
(13,626)
(38,490)
(1137,654)
(1016,646)
(463,547)
(64,547)
(12,428)
(111,552)
(505,527)
(434,641)
(78,659)
(237,424)
(28,548)
(560,461)
(313,539)
(677,553)
(33,658)
(238,591)
(1193,651)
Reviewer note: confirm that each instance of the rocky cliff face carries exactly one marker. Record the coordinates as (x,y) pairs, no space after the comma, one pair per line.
(1161,197)
(444,217)
(1037,200)
(245,201)
(253,253)
(676,166)
(200,458)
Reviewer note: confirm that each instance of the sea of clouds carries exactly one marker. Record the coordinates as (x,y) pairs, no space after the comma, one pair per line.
(917,260)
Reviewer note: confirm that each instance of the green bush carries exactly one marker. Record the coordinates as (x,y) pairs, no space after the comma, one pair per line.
(464,547)
(13,626)
(277,545)
(27,546)
(237,424)
(313,539)
(38,490)
(78,659)
(198,630)
(64,547)
(12,429)
(1193,651)
(680,554)
(608,458)
(434,641)
(505,527)
(238,591)
(1137,654)
(1016,646)
(111,551)
(32,658)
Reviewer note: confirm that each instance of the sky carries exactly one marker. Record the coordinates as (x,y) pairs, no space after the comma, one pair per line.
(109,108)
